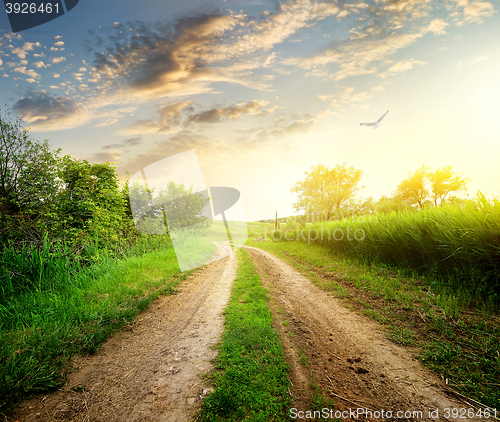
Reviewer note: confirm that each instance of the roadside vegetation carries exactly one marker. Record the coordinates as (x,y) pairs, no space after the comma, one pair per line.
(456,247)
(459,343)
(75,264)
(424,262)
(250,377)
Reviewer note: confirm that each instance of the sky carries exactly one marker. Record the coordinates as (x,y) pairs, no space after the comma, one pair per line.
(263,90)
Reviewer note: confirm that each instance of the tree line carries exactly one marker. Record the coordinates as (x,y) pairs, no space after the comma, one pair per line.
(44,195)
(328,193)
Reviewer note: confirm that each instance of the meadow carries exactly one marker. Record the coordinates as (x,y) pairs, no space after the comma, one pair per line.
(429,277)
(456,248)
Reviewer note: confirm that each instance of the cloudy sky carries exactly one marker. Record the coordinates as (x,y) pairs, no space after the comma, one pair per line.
(263,90)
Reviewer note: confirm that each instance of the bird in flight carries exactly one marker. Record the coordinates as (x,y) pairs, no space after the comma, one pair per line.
(375,124)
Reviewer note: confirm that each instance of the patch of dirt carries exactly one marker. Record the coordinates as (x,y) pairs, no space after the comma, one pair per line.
(152,370)
(261,239)
(344,353)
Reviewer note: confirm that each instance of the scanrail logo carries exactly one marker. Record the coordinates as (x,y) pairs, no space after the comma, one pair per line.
(28,14)
(170,197)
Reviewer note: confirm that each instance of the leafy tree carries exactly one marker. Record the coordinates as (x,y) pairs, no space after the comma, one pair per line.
(91,199)
(425,187)
(29,180)
(183,207)
(413,191)
(385,205)
(327,190)
(443,182)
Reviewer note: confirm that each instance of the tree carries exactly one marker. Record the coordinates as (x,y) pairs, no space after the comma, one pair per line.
(29,179)
(413,191)
(426,187)
(326,190)
(385,205)
(91,199)
(443,182)
(180,206)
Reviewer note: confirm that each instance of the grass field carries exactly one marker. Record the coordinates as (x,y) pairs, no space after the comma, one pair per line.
(455,247)
(460,344)
(42,328)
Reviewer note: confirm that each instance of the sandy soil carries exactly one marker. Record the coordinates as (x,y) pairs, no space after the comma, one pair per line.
(152,370)
(347,354)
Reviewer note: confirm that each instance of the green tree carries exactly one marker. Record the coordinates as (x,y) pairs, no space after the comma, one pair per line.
(443,182)
(386,204)
(91,200)
(181,206)
(426,187)
(29,180)
(325,191)
(413,191)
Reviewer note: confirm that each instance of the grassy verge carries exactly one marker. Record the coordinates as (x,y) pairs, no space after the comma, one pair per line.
(251,375)
(458,343)
(40,330)
(455,246)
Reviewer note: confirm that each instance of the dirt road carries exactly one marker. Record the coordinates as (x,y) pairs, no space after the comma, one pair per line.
(152,370)
(344,353)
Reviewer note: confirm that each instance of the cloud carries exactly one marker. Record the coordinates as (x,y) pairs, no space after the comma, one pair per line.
(436,26)
(176,116)
(175,144)
(46,112)
(125,143)
(356,57)
(40,64)
(215,115)
(29,72)
(58,59)
(402,66)
(106,157)
(477,10)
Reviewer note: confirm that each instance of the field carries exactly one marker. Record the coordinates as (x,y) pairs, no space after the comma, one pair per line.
(450,325)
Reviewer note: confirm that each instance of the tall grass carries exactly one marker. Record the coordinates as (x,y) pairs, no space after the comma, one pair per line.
(53,306)
(458,247)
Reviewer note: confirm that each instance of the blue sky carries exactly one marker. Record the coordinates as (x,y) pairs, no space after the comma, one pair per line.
(263,90)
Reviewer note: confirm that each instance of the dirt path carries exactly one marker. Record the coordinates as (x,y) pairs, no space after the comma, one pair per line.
(150,372)
(346,354)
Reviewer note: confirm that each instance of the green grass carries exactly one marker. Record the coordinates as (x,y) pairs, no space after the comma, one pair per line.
(455,247)
(458,342)
(43,326)
(251,376)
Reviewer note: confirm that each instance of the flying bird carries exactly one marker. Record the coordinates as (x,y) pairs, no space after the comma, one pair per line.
(375,124)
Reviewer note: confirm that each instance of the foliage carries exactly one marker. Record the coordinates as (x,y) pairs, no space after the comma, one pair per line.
(458,342)
(72,311)
(415,191)
(29,180)
(172,208)
(457,246)
(326,190)
(91,199)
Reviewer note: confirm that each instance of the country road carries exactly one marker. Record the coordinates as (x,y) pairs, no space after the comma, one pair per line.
(151,371)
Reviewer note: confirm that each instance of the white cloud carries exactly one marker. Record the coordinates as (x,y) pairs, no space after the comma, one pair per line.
(436,26)
(39,64)
(404,65)
(28,72)
(58,59)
